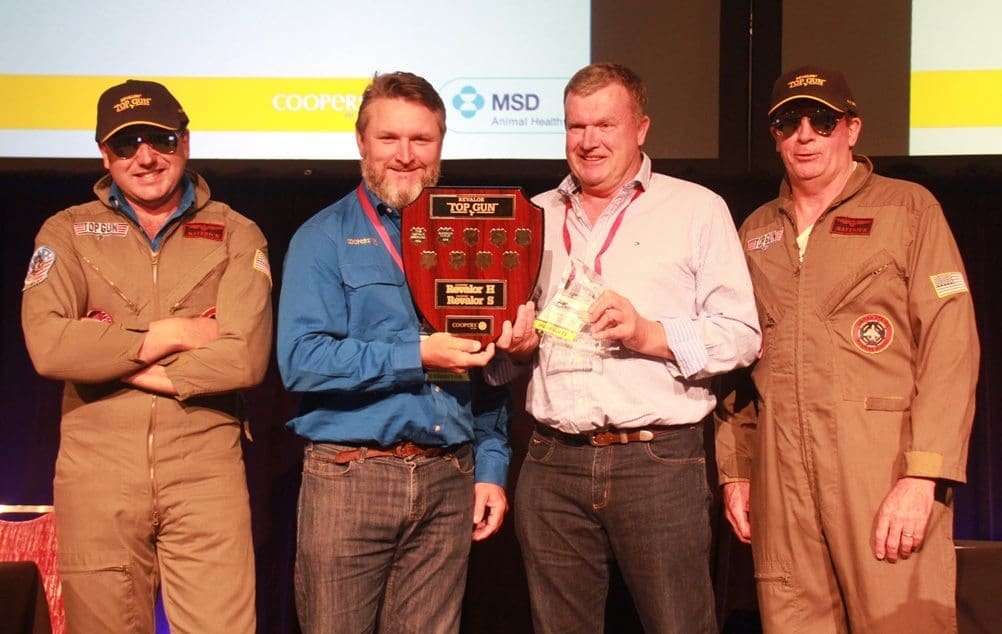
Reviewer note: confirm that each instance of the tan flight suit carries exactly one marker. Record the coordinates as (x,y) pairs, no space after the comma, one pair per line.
(867,373)
(150,489)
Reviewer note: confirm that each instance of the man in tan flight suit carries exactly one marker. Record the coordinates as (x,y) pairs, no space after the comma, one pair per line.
(840,475)
(153,304)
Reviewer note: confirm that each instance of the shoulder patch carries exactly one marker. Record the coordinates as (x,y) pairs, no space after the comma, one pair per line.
(38,268)
(764,241)
(872,333)
(846,226)
(261,263)
(948,283)
(205,231)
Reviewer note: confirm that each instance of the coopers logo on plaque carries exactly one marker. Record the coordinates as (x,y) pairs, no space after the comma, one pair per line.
(471,256)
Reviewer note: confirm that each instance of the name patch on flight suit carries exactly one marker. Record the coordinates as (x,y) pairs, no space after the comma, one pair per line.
(764,241)
(39,266)
(204,230)
(872,333)
(845,226)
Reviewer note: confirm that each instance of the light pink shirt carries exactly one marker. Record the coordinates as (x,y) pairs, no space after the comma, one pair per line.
(677,258)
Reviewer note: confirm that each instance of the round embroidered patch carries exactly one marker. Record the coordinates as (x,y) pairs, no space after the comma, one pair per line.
(99,314)
(872,333)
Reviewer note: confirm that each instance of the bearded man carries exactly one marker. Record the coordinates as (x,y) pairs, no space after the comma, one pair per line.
(407,451)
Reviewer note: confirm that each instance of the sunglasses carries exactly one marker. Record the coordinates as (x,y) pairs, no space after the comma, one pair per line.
(126,144)
(822,120)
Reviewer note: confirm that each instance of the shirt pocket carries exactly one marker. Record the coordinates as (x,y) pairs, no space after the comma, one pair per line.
(379,303)
(560,358)
(197,290)
(866,315)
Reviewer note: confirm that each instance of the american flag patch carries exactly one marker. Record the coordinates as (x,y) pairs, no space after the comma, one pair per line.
(261,263)
(100,229)
(948,283)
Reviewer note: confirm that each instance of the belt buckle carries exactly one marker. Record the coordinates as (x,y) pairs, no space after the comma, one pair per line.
(601,438)
(620,437)
(405,450)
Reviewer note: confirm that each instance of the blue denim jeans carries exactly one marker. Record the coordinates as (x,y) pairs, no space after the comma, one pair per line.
(383,543)
(643,504)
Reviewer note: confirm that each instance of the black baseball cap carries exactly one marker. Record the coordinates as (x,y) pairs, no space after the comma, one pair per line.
(137,102)
(825,86)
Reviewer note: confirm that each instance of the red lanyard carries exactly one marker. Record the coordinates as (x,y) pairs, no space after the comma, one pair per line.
(363,198)
(608,238)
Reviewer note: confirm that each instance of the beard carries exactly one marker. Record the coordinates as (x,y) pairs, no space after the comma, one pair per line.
(389,191)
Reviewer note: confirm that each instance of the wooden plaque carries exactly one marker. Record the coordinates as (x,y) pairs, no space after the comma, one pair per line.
(471,256)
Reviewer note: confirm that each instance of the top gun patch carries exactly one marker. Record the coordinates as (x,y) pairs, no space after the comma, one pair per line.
(100,229)
(764,241)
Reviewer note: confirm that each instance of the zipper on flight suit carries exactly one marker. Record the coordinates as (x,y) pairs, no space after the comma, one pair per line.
(180,302)
(798,274)
(805,446)
(118,291)
(151,428)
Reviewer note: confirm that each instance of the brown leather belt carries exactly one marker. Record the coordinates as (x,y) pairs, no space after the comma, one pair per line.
(606,437)
(400,450)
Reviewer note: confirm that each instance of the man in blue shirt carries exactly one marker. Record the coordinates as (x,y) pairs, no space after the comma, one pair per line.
(395,418)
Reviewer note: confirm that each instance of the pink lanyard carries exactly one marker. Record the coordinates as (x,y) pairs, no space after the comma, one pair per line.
(608,238)
(378,226)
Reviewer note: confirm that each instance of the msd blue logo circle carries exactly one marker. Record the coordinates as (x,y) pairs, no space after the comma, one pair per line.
(468,102)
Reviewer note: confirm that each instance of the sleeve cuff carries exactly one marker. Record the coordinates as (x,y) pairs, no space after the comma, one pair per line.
(491,470)
(736,469)
(683,340)
(923,464)
(406,359)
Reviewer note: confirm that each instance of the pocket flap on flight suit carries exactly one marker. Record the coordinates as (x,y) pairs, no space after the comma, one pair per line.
(855,284)
(887,403)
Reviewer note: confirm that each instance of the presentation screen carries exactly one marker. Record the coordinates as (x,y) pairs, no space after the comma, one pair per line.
(927,74)
(270,80)
(956,78)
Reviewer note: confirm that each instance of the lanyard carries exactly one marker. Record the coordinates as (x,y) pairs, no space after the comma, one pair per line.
(608,238)
(378,226)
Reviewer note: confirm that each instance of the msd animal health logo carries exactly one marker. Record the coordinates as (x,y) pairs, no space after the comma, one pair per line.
(468,102)
(506,105)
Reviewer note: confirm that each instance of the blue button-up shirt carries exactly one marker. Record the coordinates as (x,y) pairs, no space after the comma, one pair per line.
(117,198)
(349,339)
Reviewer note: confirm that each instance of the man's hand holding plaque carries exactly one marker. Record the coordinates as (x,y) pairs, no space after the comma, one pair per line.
(442,351)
